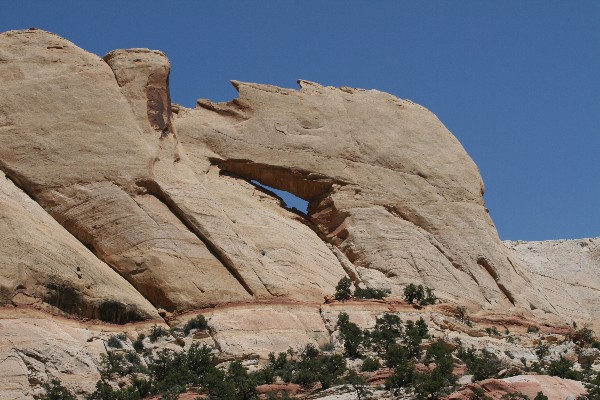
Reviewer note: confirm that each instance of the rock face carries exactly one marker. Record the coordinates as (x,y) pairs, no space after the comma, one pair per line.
(162,195)
(568,272)
(114,203)
(553,387)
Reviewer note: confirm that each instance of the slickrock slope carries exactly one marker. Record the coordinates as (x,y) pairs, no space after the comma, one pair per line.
(97,150)
(41,262)
(388,185)
(568,271)
(119,207)
(529,385)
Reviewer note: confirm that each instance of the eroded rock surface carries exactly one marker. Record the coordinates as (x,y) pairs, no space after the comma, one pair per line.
(388,185)
(553,387)
(92,141)
(568,271)
(115,204)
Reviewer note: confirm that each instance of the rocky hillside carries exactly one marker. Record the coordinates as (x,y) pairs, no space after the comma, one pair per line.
(118,207)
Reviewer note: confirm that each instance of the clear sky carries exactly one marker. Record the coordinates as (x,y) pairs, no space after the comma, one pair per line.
(518,82)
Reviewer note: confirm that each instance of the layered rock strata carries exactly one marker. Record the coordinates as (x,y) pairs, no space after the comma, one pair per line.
(117,206)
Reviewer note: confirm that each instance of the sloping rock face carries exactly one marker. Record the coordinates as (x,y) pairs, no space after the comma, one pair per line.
(152,205)
(568,271)
(388,185)
(553,387)
(92,142)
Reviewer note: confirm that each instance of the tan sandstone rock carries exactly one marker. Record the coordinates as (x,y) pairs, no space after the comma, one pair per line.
(530,385)
(114,204)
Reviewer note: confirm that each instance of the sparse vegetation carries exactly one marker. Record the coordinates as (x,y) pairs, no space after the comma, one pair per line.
(56,391)
(198,323)
(343,291)
(138,343)
(493,331)
(482,364)
(114,342)
(359,385)
(370,293)
(352,336)
(422,295)
(563,368)
(540,396)
(370,364)
(533,329)
(157,332)
(397,344)
(461,315)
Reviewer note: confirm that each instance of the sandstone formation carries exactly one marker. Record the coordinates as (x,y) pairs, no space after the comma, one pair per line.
(117,206)
(567,271)
(529,385)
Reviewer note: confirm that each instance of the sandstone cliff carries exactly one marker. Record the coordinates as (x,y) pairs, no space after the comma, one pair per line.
(116,205)
(162,196)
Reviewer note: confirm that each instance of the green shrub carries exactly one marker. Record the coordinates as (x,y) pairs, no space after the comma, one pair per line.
(56,391)
(397,357)
(563,368)
(351,335)
(244,383)
(359,384)
(199,322)
(422,295)
(533,329)
(433,384)
(493,331)
(370,294)
(114,342)
(138,343)
(388,329)
(342,290)
(541,351)
(540,396)
(307,367)
(482,365)
(514,396)
(370,364)
(414,333)
(478,394)
(585,337)
(461,315)
(157,332)
(121,364)
(439,351)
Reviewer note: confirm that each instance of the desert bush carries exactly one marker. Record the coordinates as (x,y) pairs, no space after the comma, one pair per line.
(199,322)
(157,332)
(533,329)
(482,365)
(461,315)
(342,290)
(541,351)
(422,295)
(56,391)
(370,364)
(358,384)
(540,396)
(514,396)
(138,343)
(563,368)
(370,293)
(388,329)
(414,333)
(493,331)
(352,336)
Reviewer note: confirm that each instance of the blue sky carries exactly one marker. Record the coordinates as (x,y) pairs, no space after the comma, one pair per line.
(516,81)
